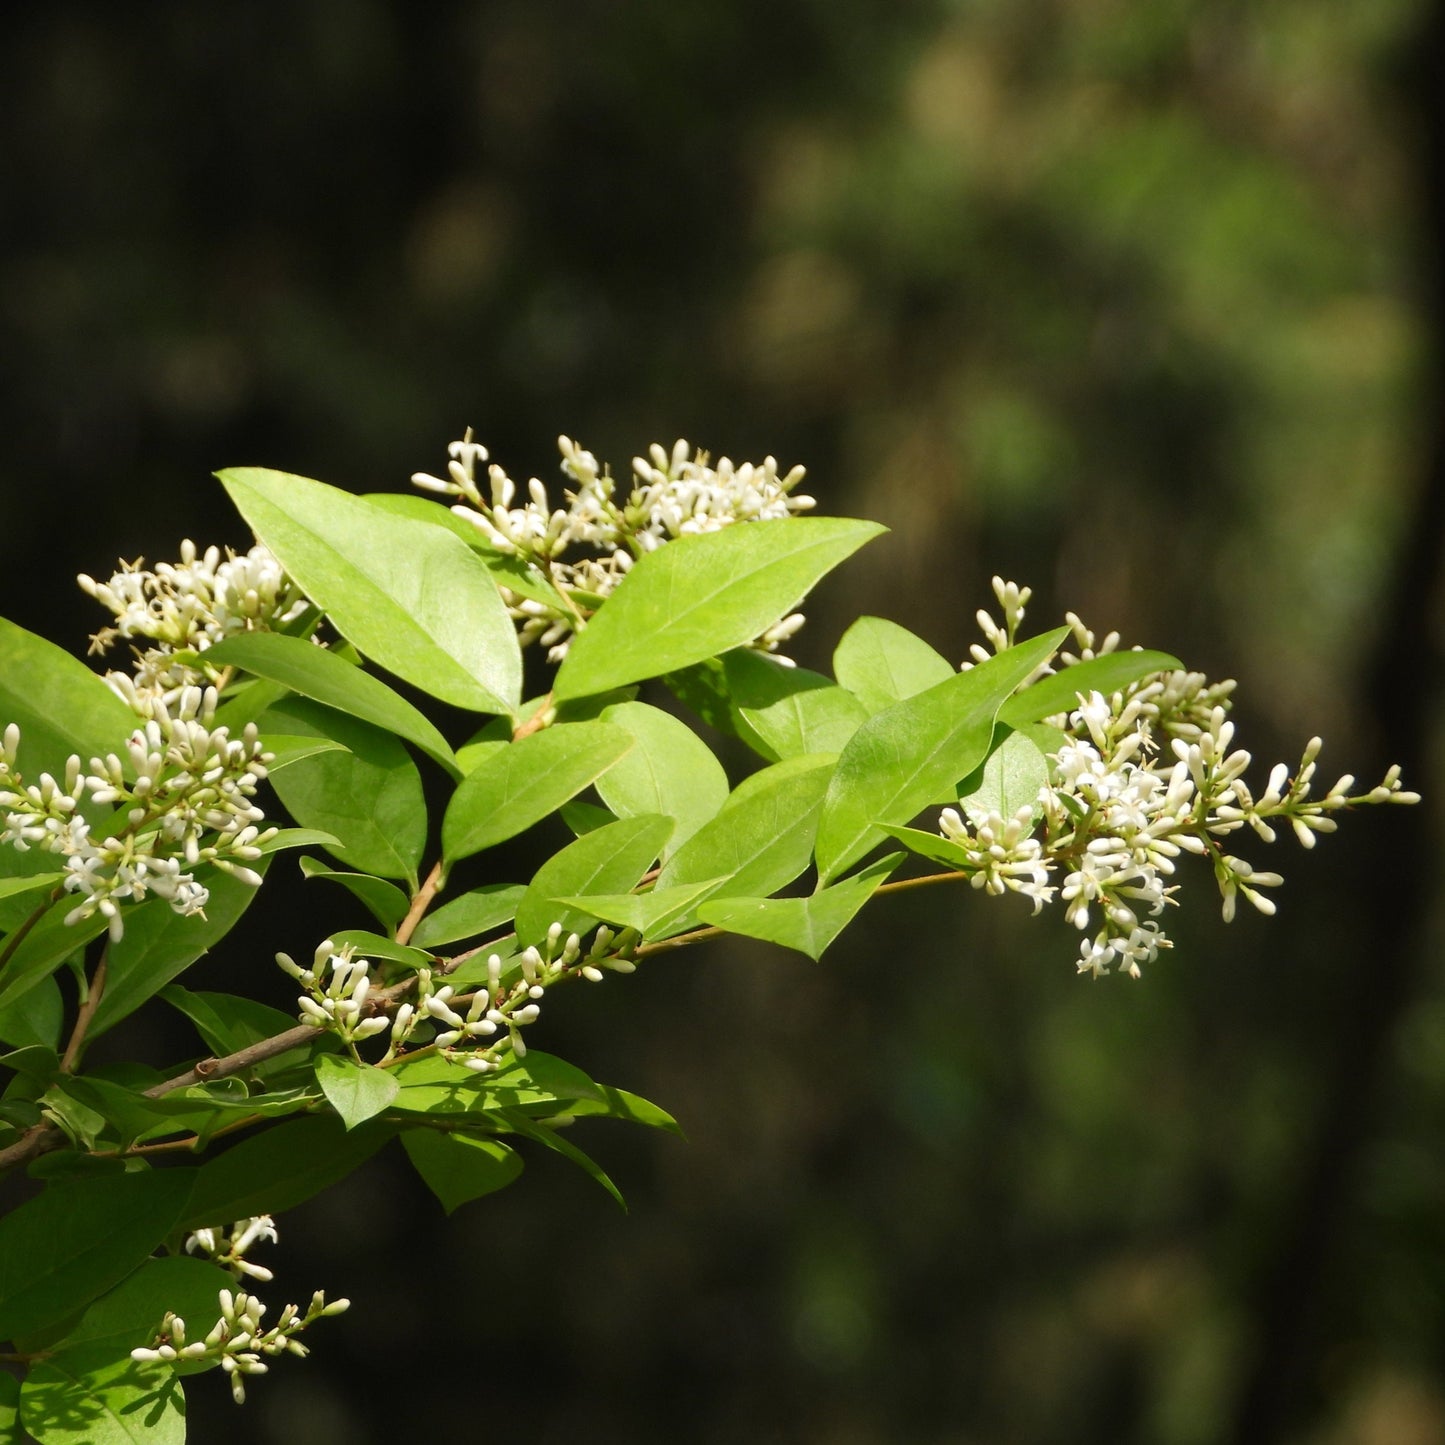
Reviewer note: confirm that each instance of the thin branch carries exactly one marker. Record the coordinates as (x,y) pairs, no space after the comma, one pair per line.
(419,904)
(83,1019)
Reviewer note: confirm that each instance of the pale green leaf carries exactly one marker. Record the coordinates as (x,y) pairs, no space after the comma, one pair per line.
(471,914)
(882,663)
(808,924)
(608,860)
(407,593)
(791,710)
(1058,693)
(525,782)
(323,677)
(906,756)
(387,903)
(459,1167)
(1012,774)
(652,914)
(698,596)
(357,1092)
(670,771)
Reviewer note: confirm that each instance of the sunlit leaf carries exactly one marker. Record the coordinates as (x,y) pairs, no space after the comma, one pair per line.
(881,663)
(460,1167)
(357,1092)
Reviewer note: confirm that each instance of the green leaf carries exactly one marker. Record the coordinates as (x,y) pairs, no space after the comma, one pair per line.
(280,1168)
(407,593)
(118,1403)
(1108,674)
(1012,774)
(583,817)
(285,838)
(791,710)
(369,797)
(45,948)
(525,782)
(76,1239)
(373,945)
(608,860)
(323,677)
(763,838)
(91,1391)
(653,914)
(387,903)
(671,771)
(61,707)
(432,1085)
(460,1167)
(619,1104)
(882,663)
(507,570)
(471,914)
(35,1017)
(806,924)
(699,596)
(10,1409)
(228,1023)
(357,1092)
(159,943)
(530,1129)
(932,846)
(906,756)
(37,882)
(283,751)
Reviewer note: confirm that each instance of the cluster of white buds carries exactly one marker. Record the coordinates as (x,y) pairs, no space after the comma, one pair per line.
(481,1029)
(237,1341)
(229,1248)
(187,606)
(337,986)
(183,798)
(1143,776)
(673,494)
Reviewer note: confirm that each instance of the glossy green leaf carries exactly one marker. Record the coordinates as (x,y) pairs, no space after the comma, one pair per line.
(76,1239)
(550,1139)
(10,1409)
(583,817)
(809,924)
(460,1167)
(44,949)
(159,944)
(37,883)
(474,913)
(700,596)
(61,707)
(357,1092)
(507,570)
(1058,693)
(284,751)
(285,838)
(763,838)
(432,1085)
(654,914)
(227,1022)
(527,781)
(373,945)
(279,1168)
(1012,774)
(881,663)
(323,677)
(608,860)
(387,903)
(906,756)
(932,846)
(791,710)
(670,771)
(115,1403)
(35,1017)
(369,797)
(619,1104)
(407,593)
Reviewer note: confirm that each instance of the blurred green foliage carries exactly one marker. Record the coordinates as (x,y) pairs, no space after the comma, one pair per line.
(1117,297)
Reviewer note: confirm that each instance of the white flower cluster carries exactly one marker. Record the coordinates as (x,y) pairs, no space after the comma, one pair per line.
(1141,777)
(229,1248)
(337,986)
(236,1341)
(183,799)
(479,1028)
(184,607)
(673,494)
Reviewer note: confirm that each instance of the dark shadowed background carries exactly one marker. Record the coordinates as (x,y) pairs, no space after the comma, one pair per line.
(1134,300)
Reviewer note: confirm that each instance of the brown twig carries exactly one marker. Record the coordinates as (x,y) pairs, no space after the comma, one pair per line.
(419,904)
(88,1007)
